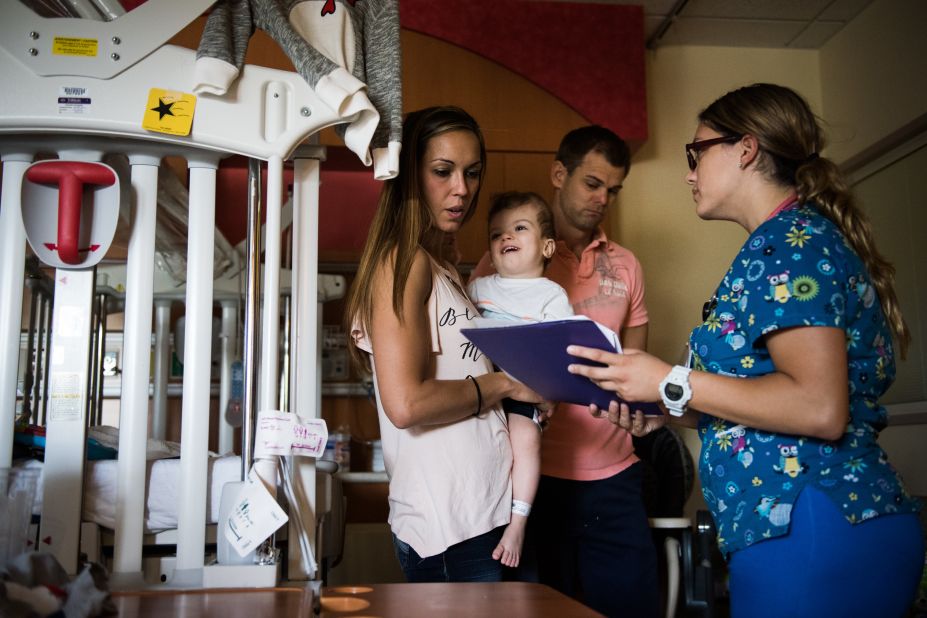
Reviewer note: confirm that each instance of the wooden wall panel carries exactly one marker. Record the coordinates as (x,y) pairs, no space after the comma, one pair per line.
(522,123)
(515,115)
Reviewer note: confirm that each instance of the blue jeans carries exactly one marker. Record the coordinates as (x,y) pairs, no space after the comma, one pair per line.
(593,543)
(467,561)
(826,566)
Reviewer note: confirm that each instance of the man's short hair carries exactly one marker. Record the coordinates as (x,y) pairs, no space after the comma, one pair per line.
(576,144)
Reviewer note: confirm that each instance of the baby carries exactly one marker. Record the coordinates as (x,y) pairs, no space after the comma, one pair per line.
(521,242)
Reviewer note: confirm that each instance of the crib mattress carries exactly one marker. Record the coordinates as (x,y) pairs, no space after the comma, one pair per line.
(162,490)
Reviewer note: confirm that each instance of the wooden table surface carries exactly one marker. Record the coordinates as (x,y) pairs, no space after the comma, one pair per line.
(506,599)
(223,603)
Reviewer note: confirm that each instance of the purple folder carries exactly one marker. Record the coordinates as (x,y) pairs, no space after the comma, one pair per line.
(536,354)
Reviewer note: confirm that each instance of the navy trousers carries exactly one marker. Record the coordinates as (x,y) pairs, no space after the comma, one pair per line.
(467,561)
(592,542)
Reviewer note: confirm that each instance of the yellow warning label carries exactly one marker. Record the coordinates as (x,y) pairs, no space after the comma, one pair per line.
(70,46)
(169,112)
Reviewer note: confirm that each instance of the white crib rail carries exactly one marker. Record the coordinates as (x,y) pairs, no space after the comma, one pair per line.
(306,375)
(12,267)
(266,115)
(194,433)
(136,349)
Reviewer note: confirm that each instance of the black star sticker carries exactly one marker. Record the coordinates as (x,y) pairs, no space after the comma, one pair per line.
(163,109)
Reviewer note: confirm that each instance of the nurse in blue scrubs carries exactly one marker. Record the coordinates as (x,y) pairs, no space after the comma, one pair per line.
(796,346)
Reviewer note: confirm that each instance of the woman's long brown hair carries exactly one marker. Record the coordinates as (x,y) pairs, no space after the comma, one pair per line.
(791,140)
(403,219)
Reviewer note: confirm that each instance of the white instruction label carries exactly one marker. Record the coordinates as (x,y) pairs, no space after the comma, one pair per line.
(284,433)
(255,517)
(66,396)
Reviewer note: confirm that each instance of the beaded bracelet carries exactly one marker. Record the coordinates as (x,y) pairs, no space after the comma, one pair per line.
(479,396)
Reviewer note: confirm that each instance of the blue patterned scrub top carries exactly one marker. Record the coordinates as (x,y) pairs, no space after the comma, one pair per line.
(796,269)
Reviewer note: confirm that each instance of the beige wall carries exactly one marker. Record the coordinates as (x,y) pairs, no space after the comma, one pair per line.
(867,84)
(683,257)
(869,77)
(872,76)
(875,96)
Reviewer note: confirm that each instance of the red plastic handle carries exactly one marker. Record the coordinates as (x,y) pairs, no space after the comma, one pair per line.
(70,178)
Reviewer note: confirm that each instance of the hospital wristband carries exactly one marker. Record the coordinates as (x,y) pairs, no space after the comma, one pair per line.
(520,508)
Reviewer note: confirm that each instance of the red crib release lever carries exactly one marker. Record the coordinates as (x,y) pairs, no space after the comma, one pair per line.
(70,177)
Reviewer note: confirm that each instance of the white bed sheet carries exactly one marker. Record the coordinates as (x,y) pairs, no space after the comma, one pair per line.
(162,489)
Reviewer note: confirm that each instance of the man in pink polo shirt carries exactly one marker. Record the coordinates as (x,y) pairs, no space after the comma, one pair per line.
(588,526)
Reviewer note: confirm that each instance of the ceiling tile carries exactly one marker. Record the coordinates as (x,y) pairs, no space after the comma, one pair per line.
(844,10)
(657,7)
(802,10)
(731,32)
(651,23)
(815,35)
(803,24)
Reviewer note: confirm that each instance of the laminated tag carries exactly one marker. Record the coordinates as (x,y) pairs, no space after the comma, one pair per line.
(284,433)
(255,516)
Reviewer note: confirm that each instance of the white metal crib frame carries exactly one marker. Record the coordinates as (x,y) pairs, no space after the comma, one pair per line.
(266,115)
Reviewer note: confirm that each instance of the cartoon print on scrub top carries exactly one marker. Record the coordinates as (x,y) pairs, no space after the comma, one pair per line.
(776,512)
(780,288)
(788,461)
(737,295)
(725,322)
(740,447)
(865,291)
(729,331)
(794,270)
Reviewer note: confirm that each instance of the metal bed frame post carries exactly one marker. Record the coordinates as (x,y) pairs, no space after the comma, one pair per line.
(283,401)
(29,380)
(229,339)
(252,315)
(162,367)
(49,305)
(41,298)
(98,350)
(34,376)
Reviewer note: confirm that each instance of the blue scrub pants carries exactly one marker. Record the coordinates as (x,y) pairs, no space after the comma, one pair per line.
(826,566)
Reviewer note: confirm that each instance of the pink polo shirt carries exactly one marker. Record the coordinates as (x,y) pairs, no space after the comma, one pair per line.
(607,285)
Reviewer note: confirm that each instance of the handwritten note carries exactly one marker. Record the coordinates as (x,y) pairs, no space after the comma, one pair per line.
(284,433)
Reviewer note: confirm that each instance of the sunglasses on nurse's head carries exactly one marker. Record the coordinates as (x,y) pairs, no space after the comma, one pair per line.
(709,307)
(695,148)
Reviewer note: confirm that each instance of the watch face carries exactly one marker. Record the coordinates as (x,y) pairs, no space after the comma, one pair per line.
(674,392)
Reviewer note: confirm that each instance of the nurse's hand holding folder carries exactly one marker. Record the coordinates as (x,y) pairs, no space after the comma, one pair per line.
(616,375)
(536,355)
